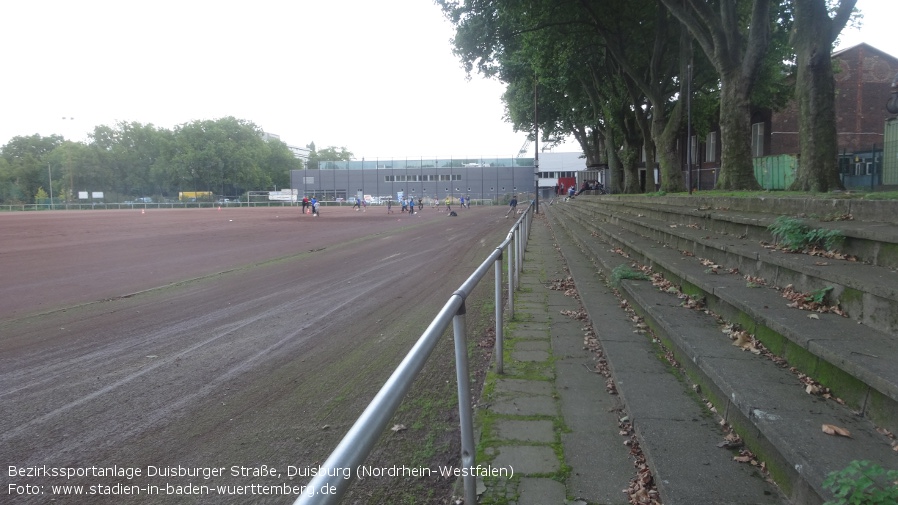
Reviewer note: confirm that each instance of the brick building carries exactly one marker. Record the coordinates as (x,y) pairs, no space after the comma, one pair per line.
(863,84)
(863,77)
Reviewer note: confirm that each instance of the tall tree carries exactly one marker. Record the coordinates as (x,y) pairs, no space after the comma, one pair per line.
(319,158)
(653,50)
(544,44)
(812,37)
(127,151)
(27,167)
(737,56)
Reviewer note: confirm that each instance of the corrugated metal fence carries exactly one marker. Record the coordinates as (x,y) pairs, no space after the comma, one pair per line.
(775,172)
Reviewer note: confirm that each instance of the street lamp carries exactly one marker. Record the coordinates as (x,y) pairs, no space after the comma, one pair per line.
(50,176)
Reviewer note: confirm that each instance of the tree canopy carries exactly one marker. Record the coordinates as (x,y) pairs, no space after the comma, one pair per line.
(614,73)
(225,156)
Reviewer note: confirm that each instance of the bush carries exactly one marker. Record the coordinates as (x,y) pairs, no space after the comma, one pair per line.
(622,272)
(863,483)
(794,235)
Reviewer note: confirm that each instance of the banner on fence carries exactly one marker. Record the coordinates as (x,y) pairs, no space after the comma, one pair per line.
(284,195)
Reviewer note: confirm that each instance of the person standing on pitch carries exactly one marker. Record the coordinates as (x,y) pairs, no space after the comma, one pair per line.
(411,206)
(512,206)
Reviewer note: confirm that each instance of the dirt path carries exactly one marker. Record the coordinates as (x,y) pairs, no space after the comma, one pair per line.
(202,339)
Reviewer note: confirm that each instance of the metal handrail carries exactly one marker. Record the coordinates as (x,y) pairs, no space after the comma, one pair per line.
(335,475)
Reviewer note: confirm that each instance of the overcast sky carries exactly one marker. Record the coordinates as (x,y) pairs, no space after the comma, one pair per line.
(378,78)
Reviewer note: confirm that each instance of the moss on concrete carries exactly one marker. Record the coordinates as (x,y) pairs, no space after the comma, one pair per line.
(883,410)
(771,339)
(847,387)
(851,296)
(801,358)
(888,255)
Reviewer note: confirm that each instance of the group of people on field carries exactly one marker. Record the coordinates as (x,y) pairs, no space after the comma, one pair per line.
(311,205)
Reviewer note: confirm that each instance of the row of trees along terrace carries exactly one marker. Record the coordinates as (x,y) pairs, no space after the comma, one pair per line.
(613,74)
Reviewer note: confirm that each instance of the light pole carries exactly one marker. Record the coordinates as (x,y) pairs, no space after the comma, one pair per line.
(50,176)
(68,164)
(536,149)
(689,127)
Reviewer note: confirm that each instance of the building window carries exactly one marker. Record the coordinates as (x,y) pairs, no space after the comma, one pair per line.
(757,140)
(711,147)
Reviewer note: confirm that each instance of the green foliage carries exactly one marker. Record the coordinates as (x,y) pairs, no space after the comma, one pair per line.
(622,272)
(226,156)
(818,295)
(862,483)
(40,195)
(323,158)
(795,235)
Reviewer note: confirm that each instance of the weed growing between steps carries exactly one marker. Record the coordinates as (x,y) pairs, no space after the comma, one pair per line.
(622,272)
(794,235)
(863,483)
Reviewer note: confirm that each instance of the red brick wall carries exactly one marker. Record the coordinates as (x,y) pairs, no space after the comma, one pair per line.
(863,78)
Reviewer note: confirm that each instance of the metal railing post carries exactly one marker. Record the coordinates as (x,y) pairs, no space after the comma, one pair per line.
(499,324)
(511,279)
(465,414)
(517,253)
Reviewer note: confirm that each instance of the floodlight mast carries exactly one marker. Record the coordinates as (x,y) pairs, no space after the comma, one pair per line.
(536,148)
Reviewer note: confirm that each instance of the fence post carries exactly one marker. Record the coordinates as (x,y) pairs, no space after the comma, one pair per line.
(465,414)
(517,253)
(511,260)
(498,309)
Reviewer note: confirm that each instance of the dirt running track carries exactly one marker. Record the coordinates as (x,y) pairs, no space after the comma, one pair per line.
(184,342)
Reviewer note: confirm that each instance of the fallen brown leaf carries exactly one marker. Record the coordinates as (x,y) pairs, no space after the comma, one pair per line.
(743,339)
(831,429)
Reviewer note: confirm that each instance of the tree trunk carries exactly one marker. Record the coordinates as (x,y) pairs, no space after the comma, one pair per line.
(737,171)
(629,156)
(665,134)
(818,169)
(737,59)
(615,182)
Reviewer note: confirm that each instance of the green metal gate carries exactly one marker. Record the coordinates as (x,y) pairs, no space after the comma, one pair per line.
(890,153)
(775,172)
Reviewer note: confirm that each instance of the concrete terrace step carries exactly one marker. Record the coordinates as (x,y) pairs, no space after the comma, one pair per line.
(871,236)
(677,433)
(852,359)
(867,293)
(874,211)
(765,402)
